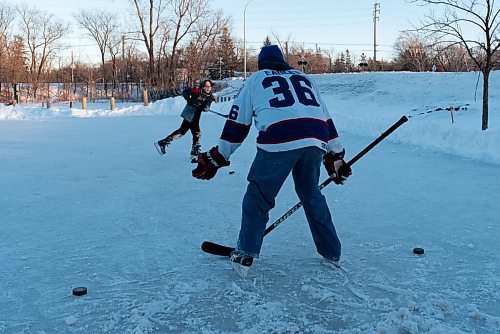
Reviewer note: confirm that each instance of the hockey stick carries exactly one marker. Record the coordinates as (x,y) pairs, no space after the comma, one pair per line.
(216,249)
(217,113)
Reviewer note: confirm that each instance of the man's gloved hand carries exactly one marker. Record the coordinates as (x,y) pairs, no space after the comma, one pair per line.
(209,163)
(336,167)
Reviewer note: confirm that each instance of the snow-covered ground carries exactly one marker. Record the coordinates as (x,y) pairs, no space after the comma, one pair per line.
(85,200)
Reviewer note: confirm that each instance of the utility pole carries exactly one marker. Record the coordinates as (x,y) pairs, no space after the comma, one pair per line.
(376,13)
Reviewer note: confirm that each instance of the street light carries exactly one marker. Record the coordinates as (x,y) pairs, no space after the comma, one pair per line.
(245,40)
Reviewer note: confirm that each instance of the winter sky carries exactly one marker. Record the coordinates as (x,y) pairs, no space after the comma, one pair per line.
(337,25)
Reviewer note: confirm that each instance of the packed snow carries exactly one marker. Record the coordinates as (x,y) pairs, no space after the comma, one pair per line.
(86,200)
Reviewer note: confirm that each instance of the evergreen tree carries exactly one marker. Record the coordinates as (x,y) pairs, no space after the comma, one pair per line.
(348,61)
(17,61)
(226,52)
(267,41)
(339,65)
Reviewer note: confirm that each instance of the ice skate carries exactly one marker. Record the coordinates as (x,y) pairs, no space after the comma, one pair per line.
(195,150)
(334,264)
(160,146)
(241,263)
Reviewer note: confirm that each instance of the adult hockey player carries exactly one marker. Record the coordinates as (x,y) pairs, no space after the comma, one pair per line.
(198,100)
(296,133)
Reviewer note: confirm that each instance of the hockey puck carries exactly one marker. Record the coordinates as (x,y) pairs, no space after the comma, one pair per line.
(418,251)
(80,291)
(231,172)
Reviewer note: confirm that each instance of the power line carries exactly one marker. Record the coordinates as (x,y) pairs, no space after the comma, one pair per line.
(332,44)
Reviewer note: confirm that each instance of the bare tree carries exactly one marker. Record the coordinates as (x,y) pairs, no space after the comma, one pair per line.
(185,15)
(329,54)
(100,25)
(450,58)
(6,18)
(285,44)
(202,50)
(41,33)
(7,15)
(162,53)
(482,15)
(412,53)
(150,16)
(114,47)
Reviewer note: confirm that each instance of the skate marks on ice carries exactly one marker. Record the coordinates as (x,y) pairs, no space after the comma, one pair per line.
(420,297)
(271,299)
(301,295)
(304,296)
(294,294)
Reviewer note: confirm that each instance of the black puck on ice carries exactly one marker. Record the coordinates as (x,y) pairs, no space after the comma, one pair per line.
(80,291)
(418,251)
(231,172)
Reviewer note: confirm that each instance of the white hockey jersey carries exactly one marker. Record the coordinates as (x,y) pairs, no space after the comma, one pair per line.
(287,110)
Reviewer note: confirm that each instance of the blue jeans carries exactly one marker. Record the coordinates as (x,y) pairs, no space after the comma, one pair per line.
(266,177)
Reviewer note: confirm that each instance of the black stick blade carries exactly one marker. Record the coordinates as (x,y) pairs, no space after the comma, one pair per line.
(216,249)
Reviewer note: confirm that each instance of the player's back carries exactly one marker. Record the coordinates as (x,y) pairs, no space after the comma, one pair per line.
(282,95)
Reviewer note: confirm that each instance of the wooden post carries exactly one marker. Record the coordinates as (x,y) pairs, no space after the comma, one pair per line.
(16,97)
(451,113)
(112,103)
(48,95)
(145,97)
(84,103)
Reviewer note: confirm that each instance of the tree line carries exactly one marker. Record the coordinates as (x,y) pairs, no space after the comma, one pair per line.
(167,44)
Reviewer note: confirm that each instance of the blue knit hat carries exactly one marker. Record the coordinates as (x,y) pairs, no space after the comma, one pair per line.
(271,51)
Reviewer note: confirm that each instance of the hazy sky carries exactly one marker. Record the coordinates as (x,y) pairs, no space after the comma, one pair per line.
(331,24)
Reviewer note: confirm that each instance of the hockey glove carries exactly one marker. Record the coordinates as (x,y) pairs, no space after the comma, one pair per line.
(336,167)
(209,163)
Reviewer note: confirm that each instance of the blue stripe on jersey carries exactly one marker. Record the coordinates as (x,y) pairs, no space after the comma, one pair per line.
(332,131)
(234,132)
(295,129)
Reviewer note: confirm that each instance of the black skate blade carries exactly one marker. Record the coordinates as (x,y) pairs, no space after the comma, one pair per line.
(216,249)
